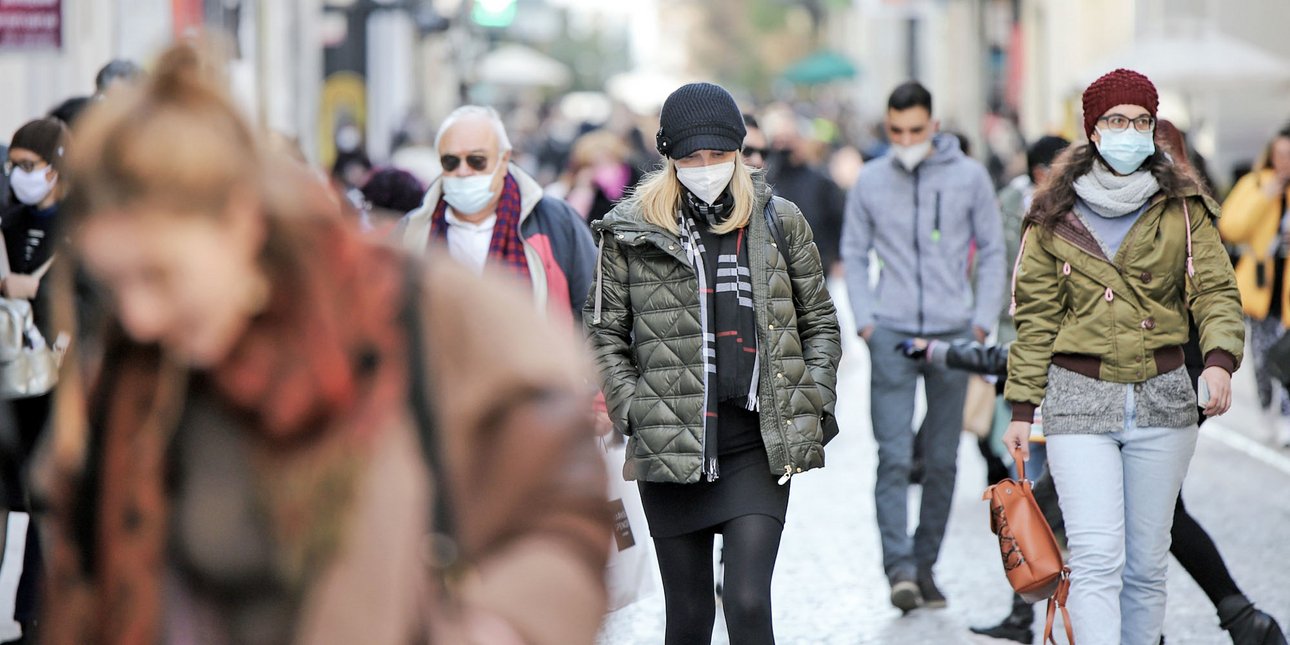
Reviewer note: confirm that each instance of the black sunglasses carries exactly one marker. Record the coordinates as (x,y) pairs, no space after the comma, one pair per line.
(476,162)
(750,151)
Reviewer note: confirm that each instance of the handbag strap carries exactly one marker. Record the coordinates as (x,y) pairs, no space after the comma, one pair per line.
(443,522)
(1056,602)
(1021,464)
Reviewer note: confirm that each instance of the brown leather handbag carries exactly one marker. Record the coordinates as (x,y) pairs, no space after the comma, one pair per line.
(1031,557)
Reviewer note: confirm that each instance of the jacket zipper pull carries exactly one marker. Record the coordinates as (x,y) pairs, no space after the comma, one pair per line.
(788,474)
(936,221)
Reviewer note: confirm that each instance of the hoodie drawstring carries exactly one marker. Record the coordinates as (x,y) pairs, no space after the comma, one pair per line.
(600,278)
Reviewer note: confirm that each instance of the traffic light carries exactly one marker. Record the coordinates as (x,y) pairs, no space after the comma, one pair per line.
(493,13)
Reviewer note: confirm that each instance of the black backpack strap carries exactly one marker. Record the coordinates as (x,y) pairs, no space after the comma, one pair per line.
(443,528)
(777,232)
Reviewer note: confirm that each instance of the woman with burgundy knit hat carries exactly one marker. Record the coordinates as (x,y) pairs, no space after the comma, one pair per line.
(1117,251)
(718,349)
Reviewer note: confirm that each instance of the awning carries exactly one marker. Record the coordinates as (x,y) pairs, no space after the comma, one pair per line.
(1198,63)
(518,65)
(820,68)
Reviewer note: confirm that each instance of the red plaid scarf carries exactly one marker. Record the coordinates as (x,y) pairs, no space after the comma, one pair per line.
(506,246)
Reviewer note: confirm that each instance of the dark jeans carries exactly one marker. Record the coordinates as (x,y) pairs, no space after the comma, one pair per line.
(892,389)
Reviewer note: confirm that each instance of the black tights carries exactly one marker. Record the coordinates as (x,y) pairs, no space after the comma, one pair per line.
(685,562)
(1196,552)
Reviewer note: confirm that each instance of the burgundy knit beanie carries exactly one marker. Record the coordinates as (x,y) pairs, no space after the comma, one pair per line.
(1120,87)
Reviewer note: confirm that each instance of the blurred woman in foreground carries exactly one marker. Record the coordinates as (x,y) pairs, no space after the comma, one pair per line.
(247,465)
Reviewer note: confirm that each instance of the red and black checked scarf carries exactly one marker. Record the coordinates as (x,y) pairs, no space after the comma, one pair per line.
(726,308)
(506,246)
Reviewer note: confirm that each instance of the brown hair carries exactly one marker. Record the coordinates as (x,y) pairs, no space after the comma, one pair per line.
(47,137)
(1056,196)
(593,144)
(1264,161)
(175,141)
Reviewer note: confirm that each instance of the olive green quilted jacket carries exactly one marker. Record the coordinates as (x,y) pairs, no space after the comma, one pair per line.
(642,317)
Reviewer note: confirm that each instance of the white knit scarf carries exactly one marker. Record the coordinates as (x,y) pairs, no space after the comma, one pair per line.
(1112,195)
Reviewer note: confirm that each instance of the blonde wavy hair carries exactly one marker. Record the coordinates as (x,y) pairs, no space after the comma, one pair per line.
(659,195)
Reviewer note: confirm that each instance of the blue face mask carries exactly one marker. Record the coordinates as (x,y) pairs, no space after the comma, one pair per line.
(1125,151)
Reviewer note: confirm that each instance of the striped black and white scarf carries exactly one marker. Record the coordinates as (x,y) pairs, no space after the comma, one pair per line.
(730,359)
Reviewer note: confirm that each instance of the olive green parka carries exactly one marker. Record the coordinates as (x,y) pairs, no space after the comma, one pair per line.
(642,318)
(1122,314)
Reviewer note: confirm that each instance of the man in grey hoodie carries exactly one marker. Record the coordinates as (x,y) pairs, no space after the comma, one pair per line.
(921,208)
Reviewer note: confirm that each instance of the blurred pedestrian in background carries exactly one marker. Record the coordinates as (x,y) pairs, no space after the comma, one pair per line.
(352,164)
(388,195)
(921,208)
(718,350)
(1256,216)
(1014,202)
(116,75)
(489,212)
(791,175)
(69,110)
(31,229)
(598,175)
(252,463)
(755,150)
(1117,252)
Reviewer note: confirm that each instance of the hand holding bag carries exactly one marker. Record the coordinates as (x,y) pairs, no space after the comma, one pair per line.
(1031,557)
(28,365)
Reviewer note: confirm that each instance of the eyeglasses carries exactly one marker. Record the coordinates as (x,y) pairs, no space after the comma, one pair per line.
(26,166)
(750,151)
(478,163)
(1120,123)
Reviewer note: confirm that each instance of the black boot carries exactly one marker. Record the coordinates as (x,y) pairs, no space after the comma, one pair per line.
(1247,625)
(1016,627)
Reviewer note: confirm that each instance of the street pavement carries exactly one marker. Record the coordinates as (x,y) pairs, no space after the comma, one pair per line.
(829,585)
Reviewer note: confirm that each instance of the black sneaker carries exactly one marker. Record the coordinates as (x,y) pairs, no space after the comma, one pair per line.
(1007,631)
(905,595)
(932,596)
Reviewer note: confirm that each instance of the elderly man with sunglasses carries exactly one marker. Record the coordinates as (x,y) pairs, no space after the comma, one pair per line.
(488,213)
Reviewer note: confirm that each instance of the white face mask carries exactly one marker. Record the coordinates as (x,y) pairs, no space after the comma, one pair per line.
(911,156)
(707,182)
(31,188)
(468,195)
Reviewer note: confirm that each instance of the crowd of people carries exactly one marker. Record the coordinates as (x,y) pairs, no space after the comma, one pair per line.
(363,406)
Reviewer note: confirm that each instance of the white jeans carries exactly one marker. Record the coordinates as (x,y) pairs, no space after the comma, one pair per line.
(1117,493)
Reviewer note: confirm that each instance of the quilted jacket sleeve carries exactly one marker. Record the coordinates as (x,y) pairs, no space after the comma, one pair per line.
(1037,318)
(817,320)
(607,316)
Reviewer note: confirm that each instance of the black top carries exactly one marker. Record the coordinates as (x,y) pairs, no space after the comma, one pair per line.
(821,202)
(601,204)
(29,236)
(30,239)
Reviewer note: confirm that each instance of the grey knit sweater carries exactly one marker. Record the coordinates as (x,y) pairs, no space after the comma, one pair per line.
(1077,404)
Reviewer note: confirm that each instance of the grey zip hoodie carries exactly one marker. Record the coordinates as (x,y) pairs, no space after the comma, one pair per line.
(922,224)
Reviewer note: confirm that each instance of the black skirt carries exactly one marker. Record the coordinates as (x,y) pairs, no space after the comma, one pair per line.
(746,485)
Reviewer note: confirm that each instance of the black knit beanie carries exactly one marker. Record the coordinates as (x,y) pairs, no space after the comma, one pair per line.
(699,116)
(45,137)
